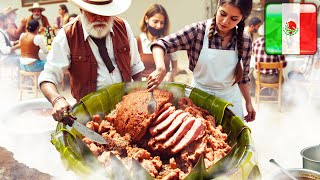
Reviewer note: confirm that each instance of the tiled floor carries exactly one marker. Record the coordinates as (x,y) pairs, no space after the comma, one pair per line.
(277,135)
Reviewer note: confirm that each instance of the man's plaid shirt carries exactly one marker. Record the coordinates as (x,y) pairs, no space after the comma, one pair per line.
(258,50)
(190,38)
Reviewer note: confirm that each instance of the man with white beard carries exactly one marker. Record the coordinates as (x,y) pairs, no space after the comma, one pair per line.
(98,49)
(37,15)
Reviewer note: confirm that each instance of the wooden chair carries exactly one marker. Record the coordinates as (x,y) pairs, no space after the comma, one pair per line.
(24,87)
(260,86)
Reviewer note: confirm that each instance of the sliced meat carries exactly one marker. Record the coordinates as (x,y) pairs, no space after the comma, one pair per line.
(163,108)
(174,125)
(164,115)
(183,129)
(164,124)
(196,132)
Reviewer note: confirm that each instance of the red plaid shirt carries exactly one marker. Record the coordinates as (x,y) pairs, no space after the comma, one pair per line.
(258,50)
(190,38)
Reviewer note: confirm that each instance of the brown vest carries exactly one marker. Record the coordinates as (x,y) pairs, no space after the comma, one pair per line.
(28,48)
(148,60)
(84,67)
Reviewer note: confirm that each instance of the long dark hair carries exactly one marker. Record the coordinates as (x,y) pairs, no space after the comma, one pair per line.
(64,7)
(151,11)
(245,7)
(32,25)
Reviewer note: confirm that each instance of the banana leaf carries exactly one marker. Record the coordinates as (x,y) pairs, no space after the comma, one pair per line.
(239,163)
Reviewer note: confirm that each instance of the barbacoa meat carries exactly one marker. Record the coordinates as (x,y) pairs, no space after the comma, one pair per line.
(167,143)
(132,115)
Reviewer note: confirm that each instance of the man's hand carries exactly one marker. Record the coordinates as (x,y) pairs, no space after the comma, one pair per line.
(155,78)
(23,22)
(60,107)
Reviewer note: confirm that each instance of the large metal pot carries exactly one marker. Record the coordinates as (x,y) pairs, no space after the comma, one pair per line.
(298,173)
(311,158)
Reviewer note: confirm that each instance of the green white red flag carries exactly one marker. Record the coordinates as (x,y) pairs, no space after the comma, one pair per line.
(291,28)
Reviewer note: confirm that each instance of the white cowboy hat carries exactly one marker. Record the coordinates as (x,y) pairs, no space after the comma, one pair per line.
(36,6)
(8,10)
(103,7)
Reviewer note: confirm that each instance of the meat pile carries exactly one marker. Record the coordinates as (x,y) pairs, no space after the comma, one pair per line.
(167,143)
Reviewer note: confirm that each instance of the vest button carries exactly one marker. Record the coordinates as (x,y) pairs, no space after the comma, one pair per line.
(80,57)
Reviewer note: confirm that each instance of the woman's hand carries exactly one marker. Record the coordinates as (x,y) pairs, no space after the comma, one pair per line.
(155,78)
(251,116)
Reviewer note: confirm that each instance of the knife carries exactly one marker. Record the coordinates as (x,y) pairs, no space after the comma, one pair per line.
(82,129)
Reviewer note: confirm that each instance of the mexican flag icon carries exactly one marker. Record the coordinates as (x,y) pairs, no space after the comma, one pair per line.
(291,28)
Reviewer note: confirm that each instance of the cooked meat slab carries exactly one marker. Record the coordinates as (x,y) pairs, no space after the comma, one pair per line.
(132,115)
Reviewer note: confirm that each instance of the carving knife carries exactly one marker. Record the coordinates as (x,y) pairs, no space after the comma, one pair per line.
(82,129)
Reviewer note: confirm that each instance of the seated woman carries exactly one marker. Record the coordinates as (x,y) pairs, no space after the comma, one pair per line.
(31,43)
(63,17)
(155,24)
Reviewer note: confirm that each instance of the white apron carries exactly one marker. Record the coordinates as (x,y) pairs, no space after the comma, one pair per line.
(214,74)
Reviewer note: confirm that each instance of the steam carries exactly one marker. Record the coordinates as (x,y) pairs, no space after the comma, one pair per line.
(282,135)
(26,134)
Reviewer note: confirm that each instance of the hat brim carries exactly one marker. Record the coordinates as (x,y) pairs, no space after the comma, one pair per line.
(41,8)
(112,9)
(12,10)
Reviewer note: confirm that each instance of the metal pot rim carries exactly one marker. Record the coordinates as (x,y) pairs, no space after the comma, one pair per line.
(39,102)
(302,151)
(298,169)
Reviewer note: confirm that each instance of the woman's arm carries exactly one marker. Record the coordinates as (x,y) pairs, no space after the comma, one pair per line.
(39,42)
(157,76)
(244,88)
(181,40)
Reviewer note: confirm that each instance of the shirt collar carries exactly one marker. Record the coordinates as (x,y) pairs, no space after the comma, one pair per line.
(144,38)
(234,33)
(86,34)
(217,33)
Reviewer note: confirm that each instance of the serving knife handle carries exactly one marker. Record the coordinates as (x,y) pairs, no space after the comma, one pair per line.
(68,118)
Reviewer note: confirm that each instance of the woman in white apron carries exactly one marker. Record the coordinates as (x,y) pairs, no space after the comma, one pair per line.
(218,52)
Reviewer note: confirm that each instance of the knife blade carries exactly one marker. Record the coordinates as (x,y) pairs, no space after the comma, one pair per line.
(82,129)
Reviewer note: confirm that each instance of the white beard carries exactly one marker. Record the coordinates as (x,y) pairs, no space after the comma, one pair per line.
(36,17)
(95,32)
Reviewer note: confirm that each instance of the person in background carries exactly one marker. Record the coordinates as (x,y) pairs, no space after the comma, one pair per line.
(63,17)
(13,30)
(97,49)
(217,49)
(72,16)
(258,51)
(7,48)
(155,24)
(37,15)
(253,27)
(31,43)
